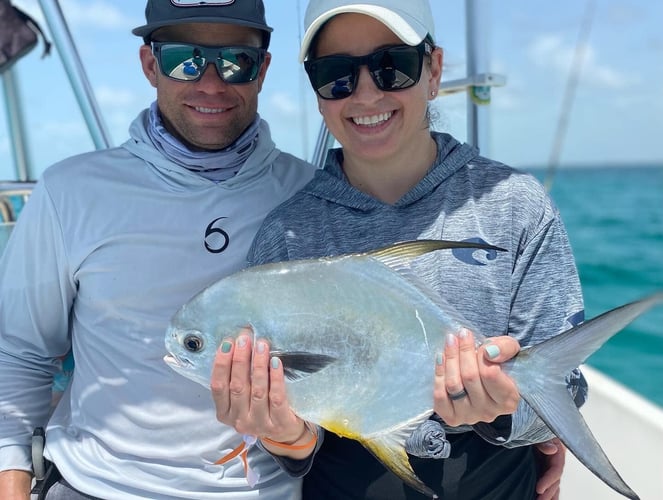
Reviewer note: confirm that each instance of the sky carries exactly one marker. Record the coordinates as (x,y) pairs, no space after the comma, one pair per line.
(616,117)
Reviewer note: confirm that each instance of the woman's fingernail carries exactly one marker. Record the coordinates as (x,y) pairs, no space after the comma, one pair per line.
(261,347)
(439,359)
(451,339)
(493,351)
(226,346)
(275,362)
(242,341)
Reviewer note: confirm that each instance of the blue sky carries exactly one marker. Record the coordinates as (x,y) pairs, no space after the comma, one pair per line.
(616,119)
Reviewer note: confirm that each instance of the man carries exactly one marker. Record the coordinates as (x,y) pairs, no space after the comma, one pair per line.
(112,243)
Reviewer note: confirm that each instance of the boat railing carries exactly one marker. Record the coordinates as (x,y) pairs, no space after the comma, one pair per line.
(13,195)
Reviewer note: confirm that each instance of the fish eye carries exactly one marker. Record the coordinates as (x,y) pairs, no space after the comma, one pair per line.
(193,343)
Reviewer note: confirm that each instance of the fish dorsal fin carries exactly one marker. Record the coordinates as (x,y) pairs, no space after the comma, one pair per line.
(389,449)
(399,255)
(297,365)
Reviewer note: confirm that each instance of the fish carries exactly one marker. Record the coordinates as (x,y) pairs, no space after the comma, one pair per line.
(358,334)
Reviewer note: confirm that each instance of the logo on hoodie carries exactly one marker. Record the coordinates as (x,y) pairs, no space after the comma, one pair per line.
(216,239)
(467,255)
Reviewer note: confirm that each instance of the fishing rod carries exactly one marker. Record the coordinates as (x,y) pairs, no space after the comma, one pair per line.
(569,94)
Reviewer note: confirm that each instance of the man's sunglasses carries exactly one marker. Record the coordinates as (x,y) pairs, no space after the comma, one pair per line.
(392,68)
(186,62)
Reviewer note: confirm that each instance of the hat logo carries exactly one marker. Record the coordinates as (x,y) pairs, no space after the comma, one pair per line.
(194,3)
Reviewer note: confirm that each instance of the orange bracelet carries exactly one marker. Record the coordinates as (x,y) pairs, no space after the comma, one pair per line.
(305,446)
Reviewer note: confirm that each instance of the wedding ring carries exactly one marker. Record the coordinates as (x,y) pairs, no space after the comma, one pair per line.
(458,395)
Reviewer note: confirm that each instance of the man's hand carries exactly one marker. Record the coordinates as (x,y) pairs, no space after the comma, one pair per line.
(551,456)
(15,485)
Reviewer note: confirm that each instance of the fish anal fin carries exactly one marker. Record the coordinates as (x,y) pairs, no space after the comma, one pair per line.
(298,365)
(389,449)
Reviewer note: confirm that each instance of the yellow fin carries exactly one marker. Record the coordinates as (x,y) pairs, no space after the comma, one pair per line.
(389,449)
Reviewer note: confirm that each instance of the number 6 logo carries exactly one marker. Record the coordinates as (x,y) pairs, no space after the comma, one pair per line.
(216,239)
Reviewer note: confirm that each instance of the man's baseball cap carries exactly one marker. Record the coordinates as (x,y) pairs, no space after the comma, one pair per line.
(410,20)
(160,13)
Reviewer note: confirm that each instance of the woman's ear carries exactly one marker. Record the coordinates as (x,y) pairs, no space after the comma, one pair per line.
(435,68)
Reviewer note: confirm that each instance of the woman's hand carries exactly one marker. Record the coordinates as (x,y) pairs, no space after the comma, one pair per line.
(470,385)
(249,393)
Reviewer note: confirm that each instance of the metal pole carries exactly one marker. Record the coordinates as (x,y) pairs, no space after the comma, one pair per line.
(16,125)
(324,143)
(75,71)
(476,17)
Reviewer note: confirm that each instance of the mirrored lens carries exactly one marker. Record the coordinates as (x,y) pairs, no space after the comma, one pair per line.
(393,68)
(396,68)
(186,62)
(332,77)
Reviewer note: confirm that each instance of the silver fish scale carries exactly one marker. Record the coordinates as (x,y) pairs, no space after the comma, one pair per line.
(369,308)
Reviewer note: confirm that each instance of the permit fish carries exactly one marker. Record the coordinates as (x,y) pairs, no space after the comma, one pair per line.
(358,334)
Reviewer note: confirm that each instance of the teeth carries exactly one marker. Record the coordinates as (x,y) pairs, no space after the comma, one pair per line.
(209,110)
(372,121)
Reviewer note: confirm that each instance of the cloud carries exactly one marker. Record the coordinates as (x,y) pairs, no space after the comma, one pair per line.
(94,14)
(551,52)
(99,14)
(283,103)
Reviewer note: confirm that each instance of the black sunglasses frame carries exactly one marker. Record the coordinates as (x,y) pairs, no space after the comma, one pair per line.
(211,55)
(374,63)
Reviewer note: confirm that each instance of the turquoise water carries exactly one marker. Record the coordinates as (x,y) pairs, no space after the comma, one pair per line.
(614,217)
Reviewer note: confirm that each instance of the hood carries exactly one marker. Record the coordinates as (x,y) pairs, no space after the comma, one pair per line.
(332,185)
(178,177)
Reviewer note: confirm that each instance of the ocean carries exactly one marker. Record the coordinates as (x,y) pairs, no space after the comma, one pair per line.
(614,218)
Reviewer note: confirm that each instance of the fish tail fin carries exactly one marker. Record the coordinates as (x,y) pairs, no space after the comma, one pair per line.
(297,365)
(539,373)
(390,450)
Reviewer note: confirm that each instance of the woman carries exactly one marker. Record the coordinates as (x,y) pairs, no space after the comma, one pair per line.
(375,67)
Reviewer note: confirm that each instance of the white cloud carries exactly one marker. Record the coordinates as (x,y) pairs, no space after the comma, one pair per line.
(97,14)
(284,103)
(112,97)
(552,52)
(100,14)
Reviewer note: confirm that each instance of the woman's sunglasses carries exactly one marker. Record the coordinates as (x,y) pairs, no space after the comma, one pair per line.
(186,62)
(393,68)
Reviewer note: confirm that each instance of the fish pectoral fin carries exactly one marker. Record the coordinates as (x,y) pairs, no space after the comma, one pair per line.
(298,365)
(389,449)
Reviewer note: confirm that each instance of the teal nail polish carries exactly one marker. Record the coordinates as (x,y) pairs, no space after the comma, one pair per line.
(493,351)
(275,363)
(226,346)
(439,359)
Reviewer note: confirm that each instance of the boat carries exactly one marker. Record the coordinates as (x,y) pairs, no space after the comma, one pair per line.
(629,427)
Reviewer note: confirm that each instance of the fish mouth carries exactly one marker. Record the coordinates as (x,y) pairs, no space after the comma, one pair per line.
(176,362)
